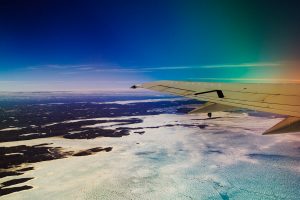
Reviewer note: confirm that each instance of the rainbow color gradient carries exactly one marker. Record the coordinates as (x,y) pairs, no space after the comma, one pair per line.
(114,44)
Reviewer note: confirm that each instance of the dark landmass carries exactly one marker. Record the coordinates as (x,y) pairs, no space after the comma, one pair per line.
(92,151)
(44,116)
(15,181)
(12,158)
(22,113)
(65,129)
(209,118)
(201,126)
(139,132)
(25,169)
(5,191)
(4,173)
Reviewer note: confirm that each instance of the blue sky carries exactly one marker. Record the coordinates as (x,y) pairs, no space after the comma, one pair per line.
(103,45)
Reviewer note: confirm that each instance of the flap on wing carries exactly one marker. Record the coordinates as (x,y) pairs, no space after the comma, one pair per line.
(210,107)
(290,124)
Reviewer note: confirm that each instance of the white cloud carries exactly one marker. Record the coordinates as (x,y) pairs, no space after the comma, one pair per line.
(170,67)
(119,69)
(214,66)
(62,67)
(265,80)
(86,68)
(243,65)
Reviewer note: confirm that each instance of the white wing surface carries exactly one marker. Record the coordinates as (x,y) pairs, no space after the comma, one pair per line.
(267,97)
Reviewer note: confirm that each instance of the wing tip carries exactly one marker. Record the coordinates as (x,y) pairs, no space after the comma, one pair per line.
(287,125)
(135,86)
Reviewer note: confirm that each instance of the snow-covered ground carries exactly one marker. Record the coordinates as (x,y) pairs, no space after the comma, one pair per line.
(178,157)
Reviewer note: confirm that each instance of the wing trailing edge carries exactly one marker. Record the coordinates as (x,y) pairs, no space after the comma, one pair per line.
(288,125)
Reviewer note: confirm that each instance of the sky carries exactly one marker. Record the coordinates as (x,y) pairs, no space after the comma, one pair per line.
(110,45)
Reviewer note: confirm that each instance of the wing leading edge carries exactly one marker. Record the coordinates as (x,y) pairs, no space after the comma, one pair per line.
(281,99)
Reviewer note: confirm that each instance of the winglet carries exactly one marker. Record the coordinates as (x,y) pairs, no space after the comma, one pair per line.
(290,124)
(135,86)
(219,93)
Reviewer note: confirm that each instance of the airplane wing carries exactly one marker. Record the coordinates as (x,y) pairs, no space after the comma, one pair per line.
(281,99)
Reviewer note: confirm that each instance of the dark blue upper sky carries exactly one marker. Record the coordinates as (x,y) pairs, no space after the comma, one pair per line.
(53,45)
